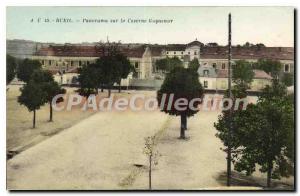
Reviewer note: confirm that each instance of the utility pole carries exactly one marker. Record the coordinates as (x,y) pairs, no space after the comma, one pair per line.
(230,110)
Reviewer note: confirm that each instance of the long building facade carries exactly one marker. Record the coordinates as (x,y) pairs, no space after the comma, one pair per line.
(67,58)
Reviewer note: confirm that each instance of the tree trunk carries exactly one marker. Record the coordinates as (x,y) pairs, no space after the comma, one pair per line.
(102,87)
(270,166)
(120,86)
(229,165)
(150,170)
(109,91)
(51,112)
(185,123)
(182,126)
(33,119)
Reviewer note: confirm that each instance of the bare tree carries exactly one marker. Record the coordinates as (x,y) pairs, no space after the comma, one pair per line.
(149,150)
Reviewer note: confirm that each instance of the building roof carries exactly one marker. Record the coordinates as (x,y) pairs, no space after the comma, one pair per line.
(182,47)
(207,52)
(258,74)
(134,52)
(175,47)
(85,51)
(221,52)
(195,43)
(156,50)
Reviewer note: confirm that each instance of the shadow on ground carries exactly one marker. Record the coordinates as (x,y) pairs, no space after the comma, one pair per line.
(239,179)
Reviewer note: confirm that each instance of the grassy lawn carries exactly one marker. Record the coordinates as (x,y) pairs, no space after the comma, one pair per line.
(20,134)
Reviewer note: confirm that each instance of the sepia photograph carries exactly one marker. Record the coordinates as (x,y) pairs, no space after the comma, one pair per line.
(137,98)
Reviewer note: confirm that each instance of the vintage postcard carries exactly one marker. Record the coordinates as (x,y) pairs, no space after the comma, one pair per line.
(150,98)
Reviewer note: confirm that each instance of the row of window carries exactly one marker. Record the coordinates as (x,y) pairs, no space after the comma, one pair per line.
(71,63)
(136,64)
(214,65)
(259,84)
(195,52)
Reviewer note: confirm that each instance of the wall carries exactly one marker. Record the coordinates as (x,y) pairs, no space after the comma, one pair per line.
(66,78)
(63,63)
(190,51)
(146,64)
(211,82)
(146,83)
(219,62)
(256,85)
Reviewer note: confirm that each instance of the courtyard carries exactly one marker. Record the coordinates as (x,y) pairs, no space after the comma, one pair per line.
(104,150)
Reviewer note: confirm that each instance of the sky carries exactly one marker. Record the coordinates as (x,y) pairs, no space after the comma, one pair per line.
(273,26)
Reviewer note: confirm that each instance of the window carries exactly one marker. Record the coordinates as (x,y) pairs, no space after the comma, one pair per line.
(223,65)
(167,52)
(205,72)
(205,84)
(174,52)
(286,68)
(181,52)
(195,53)
(135,75)
(54,63)
(214,65)
(79,63)
(136,65)
(189,53)
(223,84)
